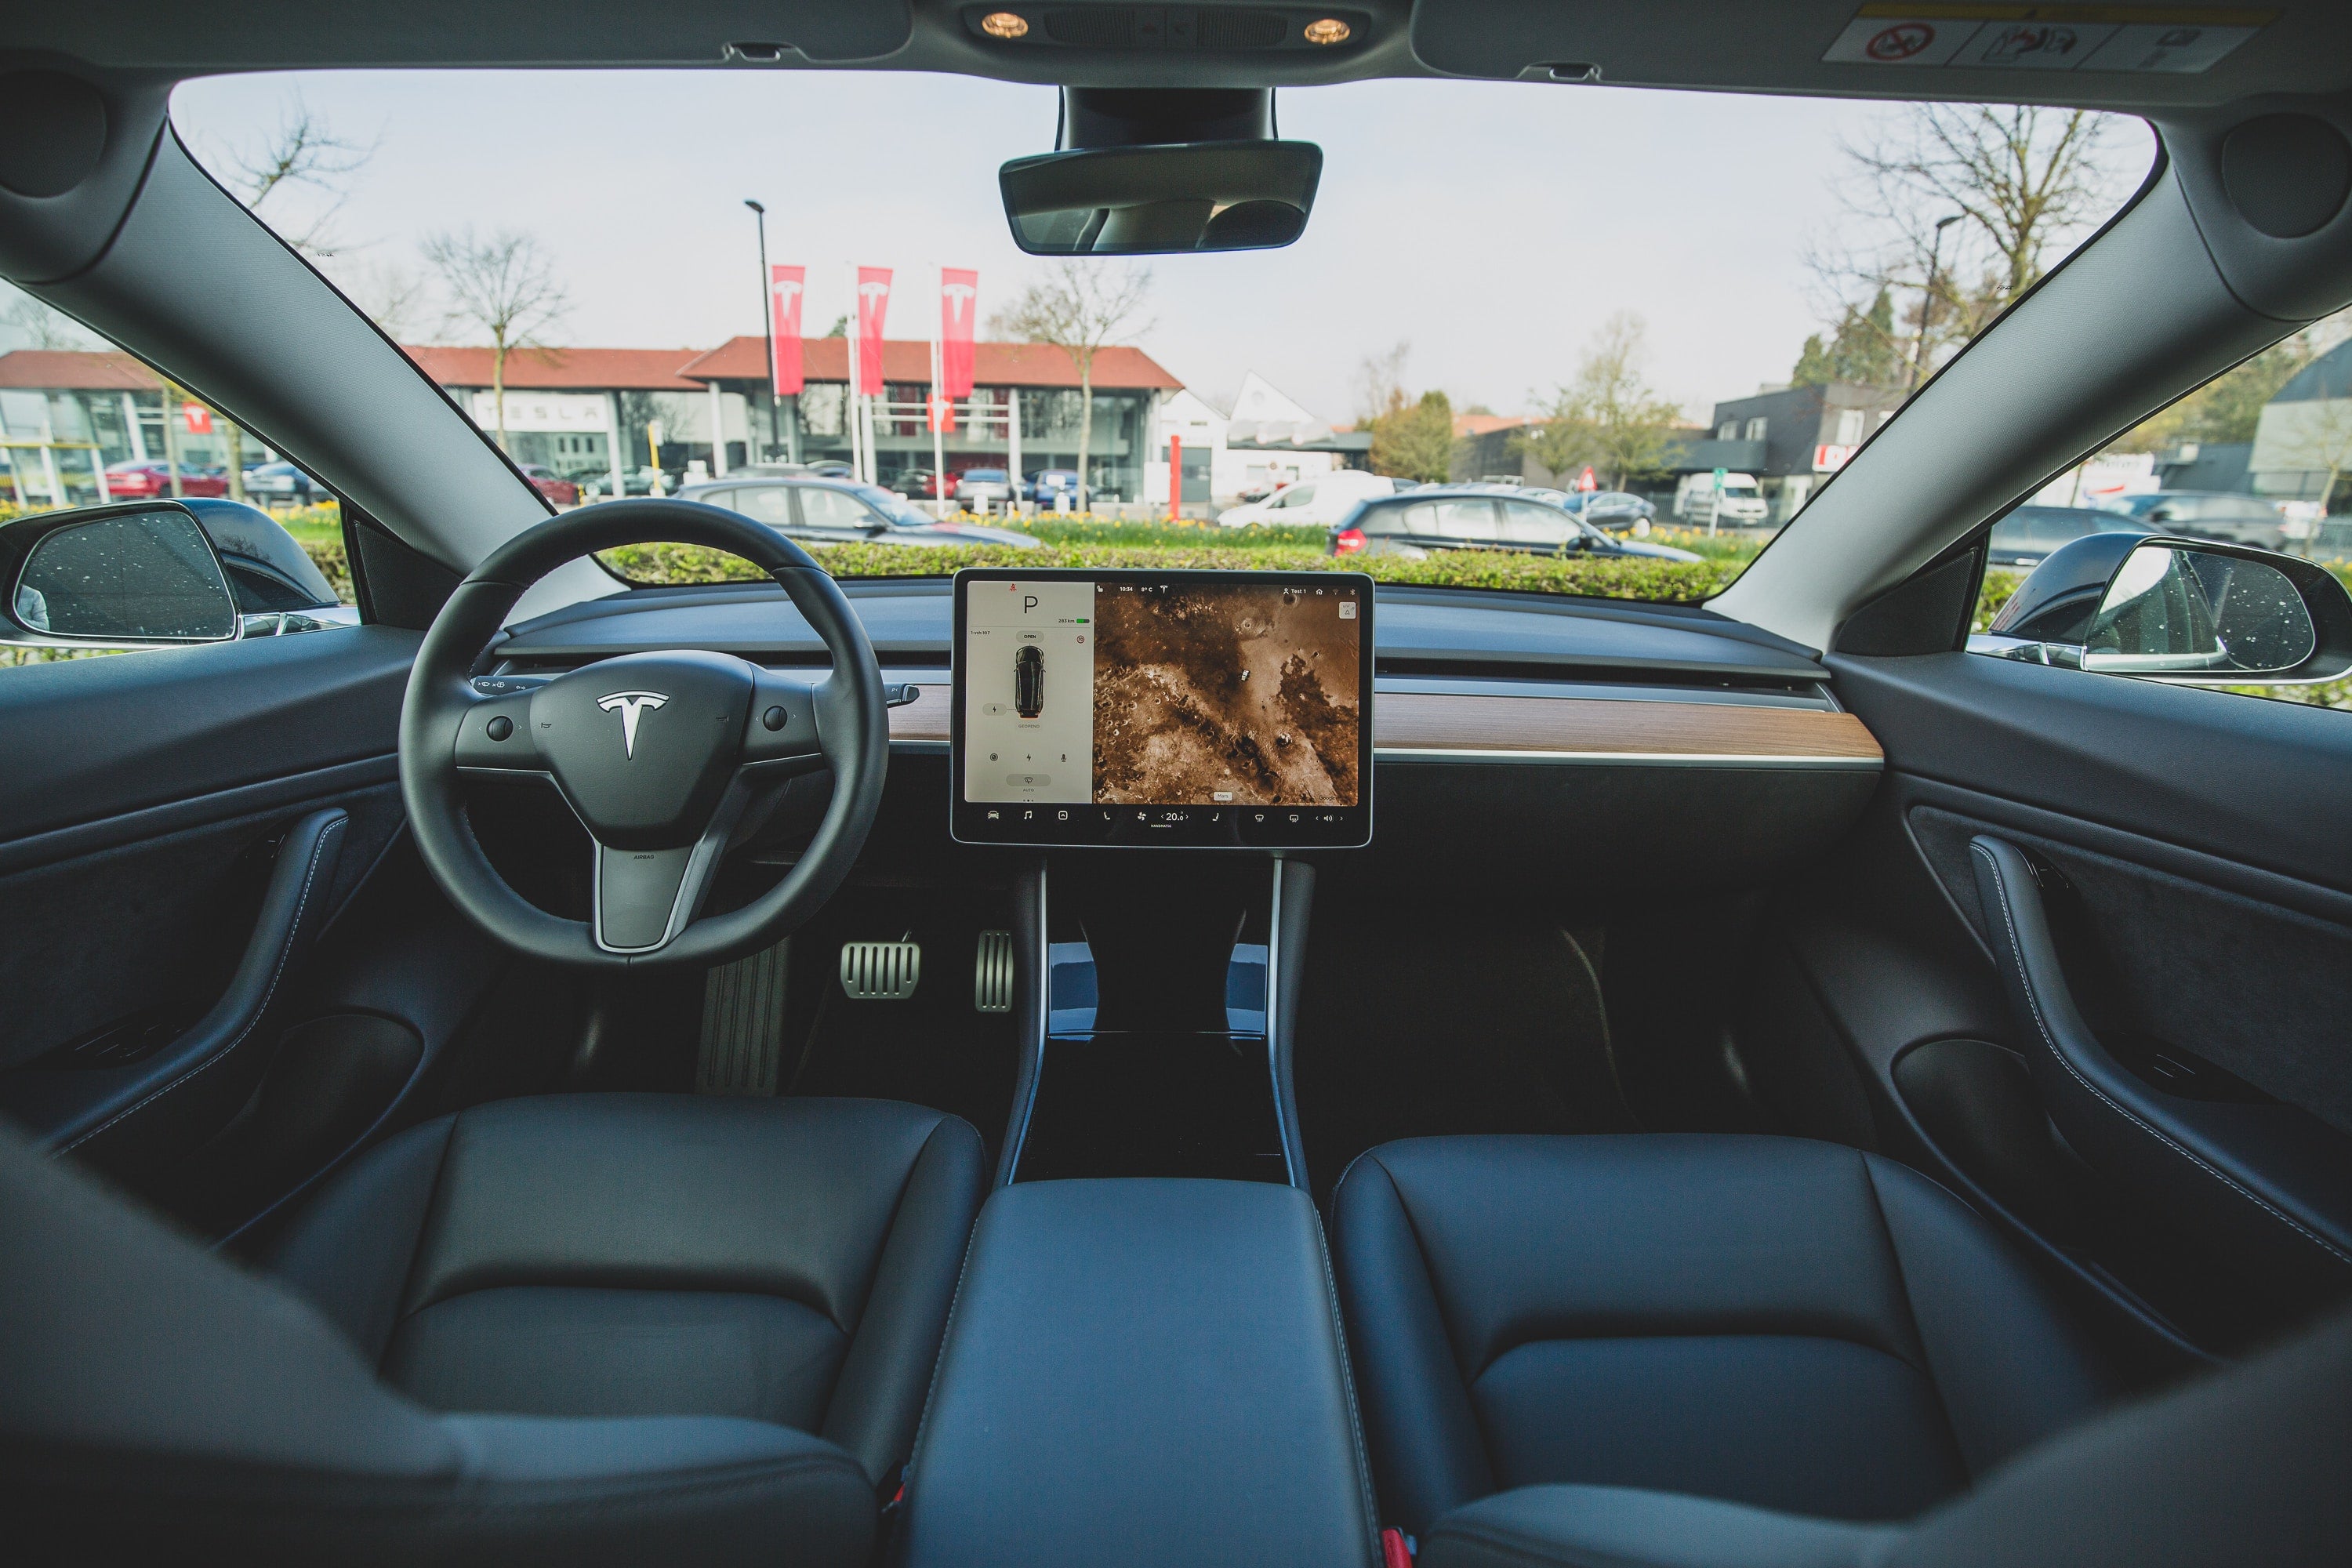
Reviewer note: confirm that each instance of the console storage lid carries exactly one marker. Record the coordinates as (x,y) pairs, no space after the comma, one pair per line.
(1144,1373)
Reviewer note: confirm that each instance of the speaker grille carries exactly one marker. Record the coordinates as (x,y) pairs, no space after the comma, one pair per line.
(1241,29)
(1096,27)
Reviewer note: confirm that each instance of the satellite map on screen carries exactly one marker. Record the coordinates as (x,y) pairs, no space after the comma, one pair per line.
(1208,694)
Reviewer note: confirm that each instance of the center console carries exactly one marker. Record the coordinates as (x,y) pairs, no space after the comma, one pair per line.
(1144,1364)
(1144,1373)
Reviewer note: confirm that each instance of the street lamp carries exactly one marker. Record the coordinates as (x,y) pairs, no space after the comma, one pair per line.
(767,323)
(1928,302)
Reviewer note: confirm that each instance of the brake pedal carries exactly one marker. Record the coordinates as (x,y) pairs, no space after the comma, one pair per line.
(743,1024)
(880,970)
(991,974)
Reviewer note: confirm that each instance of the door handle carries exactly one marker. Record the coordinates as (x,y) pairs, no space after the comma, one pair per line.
(2266,1184)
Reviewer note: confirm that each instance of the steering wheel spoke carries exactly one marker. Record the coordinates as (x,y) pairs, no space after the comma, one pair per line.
(786,722)
(645,898)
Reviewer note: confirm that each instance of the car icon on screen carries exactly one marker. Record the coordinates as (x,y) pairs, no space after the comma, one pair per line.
(1029,681)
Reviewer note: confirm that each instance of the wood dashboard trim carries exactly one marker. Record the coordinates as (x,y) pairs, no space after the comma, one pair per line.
(1436,726)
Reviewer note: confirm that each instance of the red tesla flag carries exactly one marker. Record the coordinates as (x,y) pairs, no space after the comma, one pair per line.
(199,418)
(873,305)
(959,303)
(786,287)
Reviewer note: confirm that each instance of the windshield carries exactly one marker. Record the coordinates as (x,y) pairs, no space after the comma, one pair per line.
(595,290)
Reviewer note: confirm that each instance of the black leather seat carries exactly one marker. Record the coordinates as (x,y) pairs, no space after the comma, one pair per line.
(1771,1322)
(587,1329)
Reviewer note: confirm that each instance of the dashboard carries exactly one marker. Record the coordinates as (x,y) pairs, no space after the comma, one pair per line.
(1514,737)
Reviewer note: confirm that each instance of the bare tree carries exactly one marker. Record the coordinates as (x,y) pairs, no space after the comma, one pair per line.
(505,285)
(1380,384)
(1607,415)
(1079,307)
(303,151)
(391,295)
(36,324)
(2025,181)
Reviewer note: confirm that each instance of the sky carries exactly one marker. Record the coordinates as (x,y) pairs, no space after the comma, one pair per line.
(1493,227)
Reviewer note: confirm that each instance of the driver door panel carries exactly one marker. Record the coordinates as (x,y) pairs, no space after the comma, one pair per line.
(178,829)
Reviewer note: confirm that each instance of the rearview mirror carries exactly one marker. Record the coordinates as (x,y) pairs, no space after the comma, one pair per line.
(1153,200)
(134,576)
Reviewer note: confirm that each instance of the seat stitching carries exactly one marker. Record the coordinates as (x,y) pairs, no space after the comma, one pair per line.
(1918,1330)
(1348,1385)
(2033,1006)
(284,956)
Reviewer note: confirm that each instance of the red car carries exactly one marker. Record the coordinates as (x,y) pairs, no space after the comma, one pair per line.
(551,484)
(145,481)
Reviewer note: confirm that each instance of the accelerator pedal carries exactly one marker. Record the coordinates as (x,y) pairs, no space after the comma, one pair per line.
(880,970)
(991,972)
(743,1024)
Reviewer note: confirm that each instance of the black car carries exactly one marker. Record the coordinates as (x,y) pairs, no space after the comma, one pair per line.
(2029,533)
(1478,517)
(1029,680)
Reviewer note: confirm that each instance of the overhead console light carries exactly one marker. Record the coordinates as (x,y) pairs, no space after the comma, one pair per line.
(1231,29)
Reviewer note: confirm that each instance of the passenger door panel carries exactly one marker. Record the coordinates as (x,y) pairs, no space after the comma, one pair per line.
(2157,1094)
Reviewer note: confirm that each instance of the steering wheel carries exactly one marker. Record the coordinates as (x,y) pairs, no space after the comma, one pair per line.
(659,755)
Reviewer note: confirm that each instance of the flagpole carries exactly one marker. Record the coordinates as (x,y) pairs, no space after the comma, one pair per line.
(931,409)
(852,407)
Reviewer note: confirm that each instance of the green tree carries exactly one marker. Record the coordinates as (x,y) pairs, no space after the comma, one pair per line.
(1864,350)
(1415,440)
(1607,415)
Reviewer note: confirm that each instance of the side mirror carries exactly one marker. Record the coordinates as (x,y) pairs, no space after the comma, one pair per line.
(2219,613)
(144,575)
(2178,609)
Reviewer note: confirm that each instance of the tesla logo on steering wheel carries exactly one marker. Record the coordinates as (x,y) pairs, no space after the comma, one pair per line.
(630,705)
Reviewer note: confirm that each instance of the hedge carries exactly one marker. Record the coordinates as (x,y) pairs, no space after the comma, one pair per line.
(1675,582)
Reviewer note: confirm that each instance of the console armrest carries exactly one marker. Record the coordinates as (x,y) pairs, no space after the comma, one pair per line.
(1143,1373)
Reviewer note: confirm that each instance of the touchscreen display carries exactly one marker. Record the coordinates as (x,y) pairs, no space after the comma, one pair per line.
(1196,708)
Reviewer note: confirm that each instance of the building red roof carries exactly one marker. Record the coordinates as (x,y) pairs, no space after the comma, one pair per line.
(561,370)
(1469,424)
(75,369)
(993,364)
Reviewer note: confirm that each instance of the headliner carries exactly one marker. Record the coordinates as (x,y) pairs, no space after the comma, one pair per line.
(1760,45)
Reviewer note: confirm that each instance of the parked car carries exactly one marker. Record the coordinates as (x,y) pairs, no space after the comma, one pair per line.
(145,481)
(832,468)
(1611,509)
(1044,484)
(1325,499)
(1739,502)
(2208,514)
(1474,517)
(551,484)
(2029,533)
(819,513)
(984,487)
(281,481)
(913,483)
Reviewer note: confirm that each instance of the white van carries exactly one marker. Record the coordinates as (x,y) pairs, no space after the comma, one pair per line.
(1741,501)
(1323,499)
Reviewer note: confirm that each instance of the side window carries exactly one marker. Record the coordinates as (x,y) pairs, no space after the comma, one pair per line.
(1382,521)
(1421,521)
(1543,527)
(771,504)
(86,425)
(2259,457)
(1468,518)
(822,508)
(1297,495)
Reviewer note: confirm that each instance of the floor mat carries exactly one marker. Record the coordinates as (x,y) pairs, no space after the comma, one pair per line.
(935,1047)
(1446,1021)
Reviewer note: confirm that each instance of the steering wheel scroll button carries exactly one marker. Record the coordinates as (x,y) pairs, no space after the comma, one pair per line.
(775,718)
(500,728)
